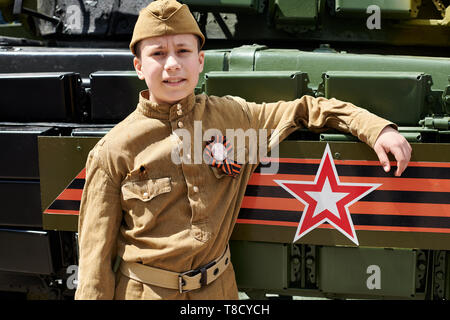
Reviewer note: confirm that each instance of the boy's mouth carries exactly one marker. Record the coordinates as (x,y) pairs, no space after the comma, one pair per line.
(174,81)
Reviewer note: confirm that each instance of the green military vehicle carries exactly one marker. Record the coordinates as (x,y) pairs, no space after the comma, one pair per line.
(66,78)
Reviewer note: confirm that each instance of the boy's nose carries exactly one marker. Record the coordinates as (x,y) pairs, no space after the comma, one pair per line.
(171,63)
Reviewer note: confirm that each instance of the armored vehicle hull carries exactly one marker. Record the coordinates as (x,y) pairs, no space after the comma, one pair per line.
(65,88)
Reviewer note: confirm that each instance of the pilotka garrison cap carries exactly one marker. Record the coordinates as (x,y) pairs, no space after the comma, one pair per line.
(164,17)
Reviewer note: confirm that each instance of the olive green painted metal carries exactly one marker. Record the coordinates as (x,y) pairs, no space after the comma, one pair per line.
(215,60)
(399,22)
(305,11)
(243,58)
(342,21)
(436,152)
(60,222)
(333,237)
(316,63)
(367,271)
(245,6)
(339,272)
(398,9)
(410,136)
(271,259)
(436,123)
(337,137)
(398,96)
(60,160)
(258,86)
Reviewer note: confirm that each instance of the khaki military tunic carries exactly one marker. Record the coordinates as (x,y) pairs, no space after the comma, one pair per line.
(142,205)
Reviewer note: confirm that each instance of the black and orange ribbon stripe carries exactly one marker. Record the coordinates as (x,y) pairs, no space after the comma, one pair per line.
(227,165)
(418,201)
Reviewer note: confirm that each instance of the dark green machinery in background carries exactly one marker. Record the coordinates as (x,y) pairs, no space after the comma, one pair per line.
(66,78)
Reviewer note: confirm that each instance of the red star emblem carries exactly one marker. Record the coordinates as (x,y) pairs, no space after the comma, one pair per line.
(327,199)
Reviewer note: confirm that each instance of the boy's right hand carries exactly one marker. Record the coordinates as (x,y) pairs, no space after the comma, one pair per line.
(391,141)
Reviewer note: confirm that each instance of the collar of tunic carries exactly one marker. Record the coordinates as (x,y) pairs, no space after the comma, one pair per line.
(165,111)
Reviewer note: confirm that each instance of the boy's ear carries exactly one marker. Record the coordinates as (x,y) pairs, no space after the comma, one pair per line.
(138,67)
(201,57)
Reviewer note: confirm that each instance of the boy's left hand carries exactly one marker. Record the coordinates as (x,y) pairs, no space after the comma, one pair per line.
(391,141)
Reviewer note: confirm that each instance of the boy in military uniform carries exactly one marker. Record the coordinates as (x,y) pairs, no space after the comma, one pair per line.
(170,222)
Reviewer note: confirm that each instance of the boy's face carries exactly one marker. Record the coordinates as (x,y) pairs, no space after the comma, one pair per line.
(170,66)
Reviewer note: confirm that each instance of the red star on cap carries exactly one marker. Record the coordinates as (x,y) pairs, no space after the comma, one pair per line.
(327,199)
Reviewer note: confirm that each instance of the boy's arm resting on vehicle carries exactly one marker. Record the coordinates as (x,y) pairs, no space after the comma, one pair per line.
(317,114)
(99,221)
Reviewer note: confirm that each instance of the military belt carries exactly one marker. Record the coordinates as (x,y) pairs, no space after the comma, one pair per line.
(184,281)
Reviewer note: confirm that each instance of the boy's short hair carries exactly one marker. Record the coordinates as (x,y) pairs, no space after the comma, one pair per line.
(164,17)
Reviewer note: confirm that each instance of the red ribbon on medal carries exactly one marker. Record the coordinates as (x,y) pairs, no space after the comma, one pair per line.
(216,154)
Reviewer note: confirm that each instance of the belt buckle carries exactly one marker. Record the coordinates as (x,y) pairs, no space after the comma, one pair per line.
(182,282)
(203,278)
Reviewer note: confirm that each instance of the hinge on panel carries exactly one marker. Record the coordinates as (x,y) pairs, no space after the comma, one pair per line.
(310,265)
(446,98)
(421,271)
(439,274)
(303,267)
(440,7)
(439,123)
(296,264)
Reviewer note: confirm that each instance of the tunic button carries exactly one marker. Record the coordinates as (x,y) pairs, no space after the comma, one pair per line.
(180,124)
(179,106)
(145,194)
(179,112)
(195,189)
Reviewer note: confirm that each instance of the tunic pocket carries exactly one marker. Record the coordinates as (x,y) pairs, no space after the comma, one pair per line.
(145,190)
